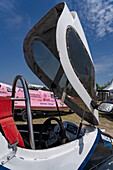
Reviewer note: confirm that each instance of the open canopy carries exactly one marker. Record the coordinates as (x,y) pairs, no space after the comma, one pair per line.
(56,50)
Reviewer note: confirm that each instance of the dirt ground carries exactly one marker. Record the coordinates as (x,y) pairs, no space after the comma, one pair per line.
(106,121)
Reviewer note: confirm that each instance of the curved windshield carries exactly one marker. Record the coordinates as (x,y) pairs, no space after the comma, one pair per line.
(49,64)
(45,59)
(80,60)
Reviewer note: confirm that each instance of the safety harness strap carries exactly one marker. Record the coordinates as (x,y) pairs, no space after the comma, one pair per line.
(7,122)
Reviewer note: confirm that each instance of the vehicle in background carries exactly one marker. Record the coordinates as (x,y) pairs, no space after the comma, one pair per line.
(41,100)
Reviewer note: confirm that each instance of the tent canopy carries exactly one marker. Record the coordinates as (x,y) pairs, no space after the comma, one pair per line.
(110,86)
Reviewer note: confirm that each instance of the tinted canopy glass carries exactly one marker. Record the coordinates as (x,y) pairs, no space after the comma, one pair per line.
(42,54)
(50,65)
(45,59)
(80,60)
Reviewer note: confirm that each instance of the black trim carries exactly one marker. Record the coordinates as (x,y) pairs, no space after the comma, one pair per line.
(101,154)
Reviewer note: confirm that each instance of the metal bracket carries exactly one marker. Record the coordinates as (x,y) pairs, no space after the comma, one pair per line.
(64,93)
(9,156)
(94,104)
(13,146)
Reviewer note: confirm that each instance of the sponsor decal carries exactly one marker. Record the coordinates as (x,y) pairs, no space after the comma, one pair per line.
(50,104)
(107,141)
(39,100)
(52,100)
(43,103)
(3,92)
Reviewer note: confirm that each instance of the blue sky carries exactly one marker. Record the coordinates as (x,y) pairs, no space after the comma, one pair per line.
(18,17)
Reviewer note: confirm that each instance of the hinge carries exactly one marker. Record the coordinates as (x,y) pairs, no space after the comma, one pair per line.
(9,156)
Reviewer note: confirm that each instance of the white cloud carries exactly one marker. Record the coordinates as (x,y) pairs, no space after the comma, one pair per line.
(110,75)
(7,6)
(95,15)
(11,16)
(100,14)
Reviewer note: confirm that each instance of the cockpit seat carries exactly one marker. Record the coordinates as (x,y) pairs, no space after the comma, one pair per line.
(7,122)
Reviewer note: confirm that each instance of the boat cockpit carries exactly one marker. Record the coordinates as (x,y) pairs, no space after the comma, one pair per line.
(52,132)
(57,52)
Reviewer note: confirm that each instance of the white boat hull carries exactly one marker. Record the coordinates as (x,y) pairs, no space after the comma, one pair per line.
(64,157)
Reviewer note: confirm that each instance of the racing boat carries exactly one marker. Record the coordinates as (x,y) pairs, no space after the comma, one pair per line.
(57,52)
(40,100)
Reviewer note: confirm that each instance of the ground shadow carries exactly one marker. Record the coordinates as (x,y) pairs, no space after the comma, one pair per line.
(108,116)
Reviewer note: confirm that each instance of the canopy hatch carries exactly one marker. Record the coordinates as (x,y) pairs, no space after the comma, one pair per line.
(57,52)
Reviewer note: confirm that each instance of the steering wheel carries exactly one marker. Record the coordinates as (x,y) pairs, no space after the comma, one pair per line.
(53,136)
